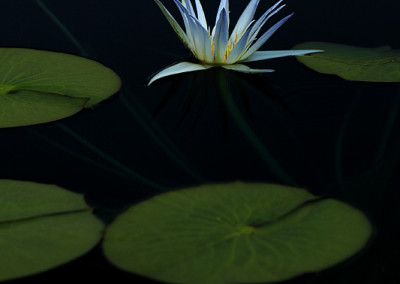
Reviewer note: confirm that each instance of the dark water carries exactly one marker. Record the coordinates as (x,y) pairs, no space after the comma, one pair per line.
(324,132)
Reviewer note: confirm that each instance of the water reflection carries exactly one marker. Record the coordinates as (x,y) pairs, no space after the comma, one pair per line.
(222,85)
(193,92)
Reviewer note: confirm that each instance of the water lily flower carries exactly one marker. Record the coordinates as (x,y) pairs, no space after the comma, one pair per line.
(215,47)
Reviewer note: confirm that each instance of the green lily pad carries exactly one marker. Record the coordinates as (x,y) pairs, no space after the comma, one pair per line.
(39,86)
(42,226)
(234,233)
(381,64)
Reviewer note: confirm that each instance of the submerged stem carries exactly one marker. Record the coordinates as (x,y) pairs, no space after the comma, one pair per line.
(388,128)
(249,135)
(340,139)
(82,51)
(164,142)
(76,154)
(108,158)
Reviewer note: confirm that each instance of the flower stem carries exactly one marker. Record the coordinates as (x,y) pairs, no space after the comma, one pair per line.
(340,139)
(159,137)
(76,154)
(82,51)
(388,128)
(109,159)
(165,143)
(249,135)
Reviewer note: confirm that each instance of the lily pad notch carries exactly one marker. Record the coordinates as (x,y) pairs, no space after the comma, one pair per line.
(42,226)
(234,233)
(38,86)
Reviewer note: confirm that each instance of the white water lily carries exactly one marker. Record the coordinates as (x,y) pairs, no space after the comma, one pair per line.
(215,47)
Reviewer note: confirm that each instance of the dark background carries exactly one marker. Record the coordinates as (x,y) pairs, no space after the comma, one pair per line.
(328,134)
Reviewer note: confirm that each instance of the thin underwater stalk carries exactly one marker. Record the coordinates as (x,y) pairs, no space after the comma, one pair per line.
(249,135)
(160,138)
(82,51)
(176,155)
(340,139)
(388,128)
(387,163)
(76,154)
(109,159)
(374,200)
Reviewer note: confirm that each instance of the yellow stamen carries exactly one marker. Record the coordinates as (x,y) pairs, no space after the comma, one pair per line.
(229,48)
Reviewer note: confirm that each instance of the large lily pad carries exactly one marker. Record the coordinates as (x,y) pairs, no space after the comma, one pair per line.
(42,226)
(39,86)
(234,233)
(381,64)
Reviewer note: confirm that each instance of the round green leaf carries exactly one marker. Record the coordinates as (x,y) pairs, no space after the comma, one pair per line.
(39,86)
(30,107)
(381,64)
(42,226)
(234,233)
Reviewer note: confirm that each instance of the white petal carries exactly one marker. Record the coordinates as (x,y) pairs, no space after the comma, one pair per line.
(189,7)
(264,18)
(221,37)
(201,42)
(238,49)
(246,69)
(224,4)
(185,16)
(265,37)
(178,68)
(200,14)
(263,55)
(245,19)
(174,24)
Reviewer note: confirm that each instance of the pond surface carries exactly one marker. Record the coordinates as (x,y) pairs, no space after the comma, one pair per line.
(334,137)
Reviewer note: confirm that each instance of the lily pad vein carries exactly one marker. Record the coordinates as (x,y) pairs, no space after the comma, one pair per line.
(44,216)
